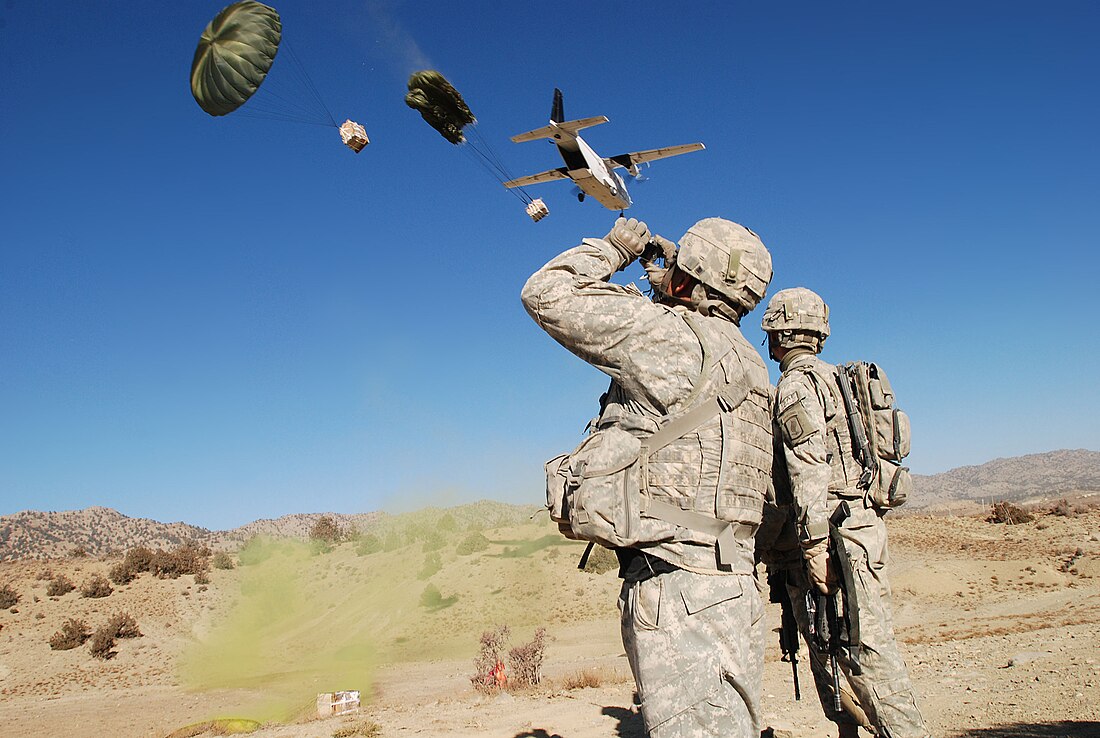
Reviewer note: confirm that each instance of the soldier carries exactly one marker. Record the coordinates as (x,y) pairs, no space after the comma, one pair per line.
(690,613)
(822,471)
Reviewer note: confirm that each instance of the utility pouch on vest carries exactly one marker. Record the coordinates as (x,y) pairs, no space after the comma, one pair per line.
(593,493)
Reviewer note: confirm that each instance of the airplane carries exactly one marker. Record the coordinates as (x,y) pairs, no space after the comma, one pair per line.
(594,175)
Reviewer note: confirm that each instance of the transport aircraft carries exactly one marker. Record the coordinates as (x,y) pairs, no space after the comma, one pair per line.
(593,174)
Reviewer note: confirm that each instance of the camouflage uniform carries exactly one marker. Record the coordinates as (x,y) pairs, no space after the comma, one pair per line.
(693,632)
(823,471)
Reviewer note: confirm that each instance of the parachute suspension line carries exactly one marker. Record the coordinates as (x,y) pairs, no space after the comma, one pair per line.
(489,159)
(485,164)
(307,82)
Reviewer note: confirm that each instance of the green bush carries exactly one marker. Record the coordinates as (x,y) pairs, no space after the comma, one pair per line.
(601,560)
(472,543)
(368,544)
(432,564)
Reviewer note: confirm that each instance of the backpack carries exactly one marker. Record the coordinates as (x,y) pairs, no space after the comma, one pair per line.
(880,433)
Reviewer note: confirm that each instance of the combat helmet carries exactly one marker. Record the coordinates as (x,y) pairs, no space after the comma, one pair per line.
(797,317)
(728,259)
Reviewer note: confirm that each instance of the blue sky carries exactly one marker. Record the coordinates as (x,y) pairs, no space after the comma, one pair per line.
(216,320)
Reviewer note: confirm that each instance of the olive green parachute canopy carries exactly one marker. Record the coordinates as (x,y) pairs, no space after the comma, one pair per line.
(234,55)
(439,104)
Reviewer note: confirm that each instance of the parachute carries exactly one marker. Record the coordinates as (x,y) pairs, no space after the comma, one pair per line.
(232,60)
(235,52)
(440,104)
(445,110)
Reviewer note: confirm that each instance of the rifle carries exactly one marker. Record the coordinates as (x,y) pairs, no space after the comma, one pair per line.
(834,618)
(855,426)
(788,628)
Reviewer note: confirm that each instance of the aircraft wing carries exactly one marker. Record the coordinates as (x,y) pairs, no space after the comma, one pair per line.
(639,157)
(547,176)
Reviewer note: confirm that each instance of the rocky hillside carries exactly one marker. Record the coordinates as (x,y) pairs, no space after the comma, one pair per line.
(98,531)
(95,530)
(1019,479)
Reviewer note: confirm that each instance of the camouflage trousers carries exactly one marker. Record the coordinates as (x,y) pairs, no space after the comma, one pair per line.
(695,643)
(883,692)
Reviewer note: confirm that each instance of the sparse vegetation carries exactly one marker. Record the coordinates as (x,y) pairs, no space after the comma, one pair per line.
(78,552)
(489,672)
(201,577)
(365,728)
(8,597)
(222,560)
(432,564)
(1063,508)
(102,644)
(73,634)
(121,574)
(601,560)
(369,543)
(123,625)
(59,586)
(472,543)
(185,559)
(326,529)
(96,586)
(1006,512)
(582,679)
(526,661)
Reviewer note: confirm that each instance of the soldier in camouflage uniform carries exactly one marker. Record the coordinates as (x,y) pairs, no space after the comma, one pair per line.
(691,615)
(822,471)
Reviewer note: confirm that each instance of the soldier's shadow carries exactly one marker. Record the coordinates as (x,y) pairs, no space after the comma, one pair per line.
(1061,729)
(629,725)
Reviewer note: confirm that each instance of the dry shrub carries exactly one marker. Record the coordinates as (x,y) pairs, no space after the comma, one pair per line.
(1064,509)
(102,645)
(222,560)
(489,675)
(326,529)
(8,597)
(95,586)
(365,728)
(59,586)
(185,559)
(526,661)
(78,552)
(44,574)
(601,560)
(123,625)
(201,577)
(582,679)
(73,633)
(121,574)
(139,559)
(1006,512)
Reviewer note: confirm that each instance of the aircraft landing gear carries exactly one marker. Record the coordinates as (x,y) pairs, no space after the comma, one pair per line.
(580,197)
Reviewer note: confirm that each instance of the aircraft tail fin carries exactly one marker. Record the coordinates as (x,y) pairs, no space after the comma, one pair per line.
(557,114)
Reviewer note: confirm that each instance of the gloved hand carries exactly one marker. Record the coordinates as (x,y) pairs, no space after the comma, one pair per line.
(819,566)
(665,248)
(629,237)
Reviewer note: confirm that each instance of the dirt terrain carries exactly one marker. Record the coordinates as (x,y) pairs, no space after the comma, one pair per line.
(1000,624)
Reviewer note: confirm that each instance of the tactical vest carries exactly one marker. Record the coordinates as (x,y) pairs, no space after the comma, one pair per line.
(720,469)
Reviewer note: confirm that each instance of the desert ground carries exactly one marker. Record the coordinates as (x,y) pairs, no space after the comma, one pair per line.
(1000,625)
